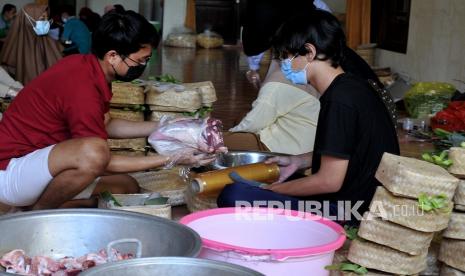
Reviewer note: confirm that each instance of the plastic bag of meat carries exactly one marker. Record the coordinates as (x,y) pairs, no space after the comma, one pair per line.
(183,136)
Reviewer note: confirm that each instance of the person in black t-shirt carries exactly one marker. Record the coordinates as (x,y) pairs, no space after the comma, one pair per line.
(354,126)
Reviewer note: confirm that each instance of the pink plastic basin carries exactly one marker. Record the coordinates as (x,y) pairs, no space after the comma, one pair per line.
(271,241)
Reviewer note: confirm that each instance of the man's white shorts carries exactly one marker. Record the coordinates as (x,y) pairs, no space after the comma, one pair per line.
(25,179)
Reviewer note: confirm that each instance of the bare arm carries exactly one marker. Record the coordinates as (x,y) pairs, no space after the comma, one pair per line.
(329,179)
(123,129)
(126,164)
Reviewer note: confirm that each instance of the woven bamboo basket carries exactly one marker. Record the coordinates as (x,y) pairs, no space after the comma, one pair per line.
(456,228)
(196,202)
(452,253)
(457,155)
(134,144)
(132,153)
(188,100)
(459,197)
(163,211)
(127,115)
(168,183)
(170,108)
(127,93)
(370,273)
(205,89)
(411,177)
(393,235)
(450,271)
(155,116)
(459,207)
(432,263)
(208,42)
(379,257)
(405,211)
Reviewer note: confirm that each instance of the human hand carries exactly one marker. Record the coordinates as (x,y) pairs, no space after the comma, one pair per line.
(194,159)
(288,165)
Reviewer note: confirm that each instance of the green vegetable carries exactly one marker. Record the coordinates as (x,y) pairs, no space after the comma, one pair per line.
(440,160)
(462,144)
(108,197)
(442,133)
(433,203)
(347,266)
(351,232)
(167,78)
(135,107)
(157,201)
(201,113)
(425,98)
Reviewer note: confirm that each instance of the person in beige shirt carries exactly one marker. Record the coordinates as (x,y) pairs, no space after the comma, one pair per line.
(284,115)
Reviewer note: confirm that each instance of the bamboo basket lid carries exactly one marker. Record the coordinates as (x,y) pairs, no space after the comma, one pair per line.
(452,253)
(132,153)
(163,211)
(155,116)
(393,235)
(171,108)
(459,197)
(457,155)
(450,271)
(456,228)
(432,263)
(411,177)
(186,100)
(135,116)
(127,93)
(205,89)
(459,207)
(379,257)
(168,183)
(134,144)
(405,211)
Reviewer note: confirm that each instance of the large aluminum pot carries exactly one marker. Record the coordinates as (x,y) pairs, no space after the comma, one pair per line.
(238,158)
(75,232)
(169,266)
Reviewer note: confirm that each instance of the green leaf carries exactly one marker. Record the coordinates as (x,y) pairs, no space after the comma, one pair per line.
(157,201)
(348,266)
(351,232)
(167,78)
(108,197)
(433,203)
(427,157)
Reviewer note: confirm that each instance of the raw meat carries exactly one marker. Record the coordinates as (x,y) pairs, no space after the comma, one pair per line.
(18,262)
(186,135)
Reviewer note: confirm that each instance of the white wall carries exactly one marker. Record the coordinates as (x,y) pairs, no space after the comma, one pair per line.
(436,43)
(337,6)
(18,3)
(174,15)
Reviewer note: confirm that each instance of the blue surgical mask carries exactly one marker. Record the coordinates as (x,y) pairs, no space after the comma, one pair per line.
(41,27)
(296,77)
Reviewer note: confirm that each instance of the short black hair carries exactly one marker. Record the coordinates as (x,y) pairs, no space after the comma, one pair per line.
(70,10)
(123,32)
(317,27)
(7,8)
(118,8)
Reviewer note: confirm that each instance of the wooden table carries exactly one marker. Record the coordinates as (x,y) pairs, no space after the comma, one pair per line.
(410,147)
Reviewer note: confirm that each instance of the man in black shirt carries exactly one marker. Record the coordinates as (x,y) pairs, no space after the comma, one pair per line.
(354,126)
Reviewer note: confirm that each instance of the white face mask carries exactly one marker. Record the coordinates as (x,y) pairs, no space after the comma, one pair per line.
(41,27)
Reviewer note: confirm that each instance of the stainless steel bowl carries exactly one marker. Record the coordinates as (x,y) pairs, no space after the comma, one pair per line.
(170,266)
(238,158)
(75,232)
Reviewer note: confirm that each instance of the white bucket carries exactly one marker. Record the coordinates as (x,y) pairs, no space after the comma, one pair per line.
(271,241)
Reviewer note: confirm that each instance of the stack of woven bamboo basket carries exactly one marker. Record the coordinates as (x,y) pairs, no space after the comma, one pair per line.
(452,251)
(396,233)
(179,100)
(127,103)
